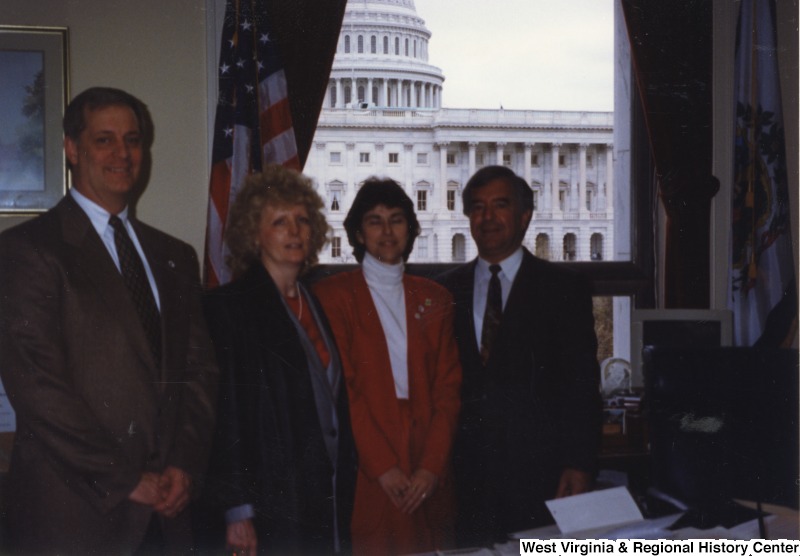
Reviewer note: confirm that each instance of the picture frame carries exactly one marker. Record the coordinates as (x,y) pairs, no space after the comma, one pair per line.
(33,95)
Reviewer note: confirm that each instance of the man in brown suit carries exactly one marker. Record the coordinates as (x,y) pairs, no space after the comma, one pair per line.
(104,355)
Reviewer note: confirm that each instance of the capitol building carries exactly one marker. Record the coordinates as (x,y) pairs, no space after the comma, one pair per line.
(385,115)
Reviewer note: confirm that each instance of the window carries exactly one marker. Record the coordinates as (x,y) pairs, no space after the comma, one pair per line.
(589,196)
(422,158)
(394,158)
(363,158)
(415,48)
(336,157)
(361,93)
(451,159)
(397,45)
(335,200)
(422,248)
(347,94)
(347,44)
(333,96)
(406,47)
(534,159)
(562,200)
(422,200)
(543,246)
(386,45)
(535,199)
(451,199)
(479,159)
(373,44)
(596,247)
(361,44)
(562,160)
(569,247)
(589,160)
(374,95)
(336,247)
(506,159)
(459,248)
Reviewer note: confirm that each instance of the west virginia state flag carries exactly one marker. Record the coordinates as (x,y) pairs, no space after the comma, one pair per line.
(763,292)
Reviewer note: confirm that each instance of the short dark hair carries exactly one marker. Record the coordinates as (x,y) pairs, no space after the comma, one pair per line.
(522,191)
(376,191)
(101,97)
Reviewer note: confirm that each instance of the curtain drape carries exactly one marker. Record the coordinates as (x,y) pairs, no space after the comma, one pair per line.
(672,58)
(307,31)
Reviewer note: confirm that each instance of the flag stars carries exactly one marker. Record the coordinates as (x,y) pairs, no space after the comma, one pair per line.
(264,38)
(224,68)
(228,132)
(246,25)
(250,89)
(240,63)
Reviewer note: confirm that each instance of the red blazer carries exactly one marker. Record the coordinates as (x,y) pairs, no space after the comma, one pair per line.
(434,373)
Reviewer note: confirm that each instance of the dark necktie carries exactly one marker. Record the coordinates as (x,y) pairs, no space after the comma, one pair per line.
(494,310)
(135,278)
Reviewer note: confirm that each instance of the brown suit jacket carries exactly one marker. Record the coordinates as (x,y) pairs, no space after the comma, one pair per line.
(94,409)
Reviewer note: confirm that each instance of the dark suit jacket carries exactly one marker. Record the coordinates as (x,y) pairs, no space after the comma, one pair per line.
(534,410)
(269,450)
(94,409)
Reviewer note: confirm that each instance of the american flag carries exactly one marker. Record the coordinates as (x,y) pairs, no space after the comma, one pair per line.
(763,290)
(253,123)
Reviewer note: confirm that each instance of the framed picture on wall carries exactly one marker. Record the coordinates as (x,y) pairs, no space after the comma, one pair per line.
(33,94)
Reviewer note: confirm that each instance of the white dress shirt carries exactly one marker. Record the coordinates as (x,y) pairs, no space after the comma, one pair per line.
(99,218)
(509,266)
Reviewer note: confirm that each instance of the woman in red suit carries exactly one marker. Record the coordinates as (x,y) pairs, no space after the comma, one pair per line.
(400,361)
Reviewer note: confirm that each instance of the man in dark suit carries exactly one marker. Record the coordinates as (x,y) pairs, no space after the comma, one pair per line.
(530,419)
(104,355)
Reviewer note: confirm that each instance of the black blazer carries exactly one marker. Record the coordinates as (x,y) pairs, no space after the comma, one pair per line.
(269,449)
(535,409)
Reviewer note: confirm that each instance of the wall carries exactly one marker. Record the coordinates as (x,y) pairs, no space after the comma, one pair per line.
(156,50)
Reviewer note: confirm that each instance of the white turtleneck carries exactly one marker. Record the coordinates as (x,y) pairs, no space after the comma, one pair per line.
(386,287)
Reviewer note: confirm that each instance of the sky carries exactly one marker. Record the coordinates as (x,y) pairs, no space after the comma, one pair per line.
(522,54)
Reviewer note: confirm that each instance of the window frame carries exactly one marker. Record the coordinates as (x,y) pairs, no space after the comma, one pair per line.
(421,203)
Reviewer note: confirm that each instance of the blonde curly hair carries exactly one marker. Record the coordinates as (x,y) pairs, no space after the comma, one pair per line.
(275,186)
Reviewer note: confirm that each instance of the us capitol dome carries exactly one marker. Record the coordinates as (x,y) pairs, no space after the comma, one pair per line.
(385,114)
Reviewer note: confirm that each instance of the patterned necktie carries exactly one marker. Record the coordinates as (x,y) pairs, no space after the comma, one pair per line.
(491,317)
(135,278)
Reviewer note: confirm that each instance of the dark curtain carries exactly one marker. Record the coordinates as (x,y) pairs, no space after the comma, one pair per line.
(307,31)
(672,57)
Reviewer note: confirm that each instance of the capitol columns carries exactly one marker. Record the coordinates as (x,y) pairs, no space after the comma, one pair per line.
(380,160)
(442,174)
(500,149)
(473,146)
(385,92)
(528,151)
(582,208)
(555,179)
(322,174)
(351,177)
(368,93)
(609,185)
(339,94)
(408,172)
